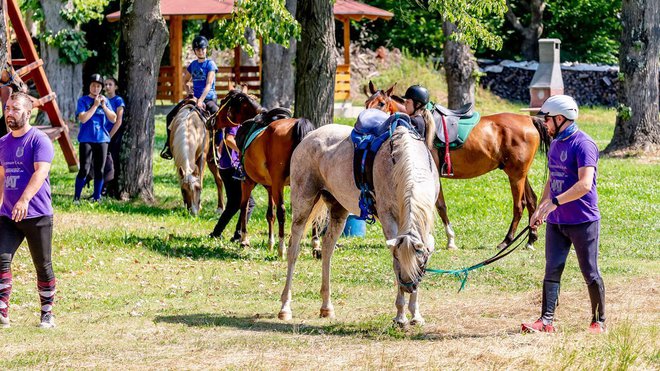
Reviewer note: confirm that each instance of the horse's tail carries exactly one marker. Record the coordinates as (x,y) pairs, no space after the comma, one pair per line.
(301,128)
(543,133)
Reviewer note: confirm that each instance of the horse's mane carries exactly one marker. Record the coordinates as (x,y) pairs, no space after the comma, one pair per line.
(416,202)
(181,146)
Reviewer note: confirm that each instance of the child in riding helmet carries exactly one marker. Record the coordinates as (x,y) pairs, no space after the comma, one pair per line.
(201,72)
(417,97)
(570,207)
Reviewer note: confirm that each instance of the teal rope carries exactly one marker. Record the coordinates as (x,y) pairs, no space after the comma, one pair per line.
(463,273)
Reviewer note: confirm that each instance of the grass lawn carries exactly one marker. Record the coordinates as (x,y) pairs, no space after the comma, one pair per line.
(141,286)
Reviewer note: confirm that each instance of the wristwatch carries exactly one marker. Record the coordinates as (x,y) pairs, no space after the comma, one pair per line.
(555,201)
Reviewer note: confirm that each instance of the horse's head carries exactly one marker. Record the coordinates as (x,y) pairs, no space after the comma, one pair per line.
(237,106)
(9,77)
(410,255)
(191,190)
(384,100)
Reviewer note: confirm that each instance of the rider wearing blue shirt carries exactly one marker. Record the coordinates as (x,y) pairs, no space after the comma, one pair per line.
(201,72)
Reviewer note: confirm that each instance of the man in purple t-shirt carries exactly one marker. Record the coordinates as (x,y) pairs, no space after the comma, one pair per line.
(570,207)
(26,212)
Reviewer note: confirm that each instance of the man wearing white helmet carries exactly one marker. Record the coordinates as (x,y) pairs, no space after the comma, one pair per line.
(570,207)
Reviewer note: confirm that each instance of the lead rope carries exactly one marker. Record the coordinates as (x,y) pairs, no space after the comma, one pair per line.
(462,274)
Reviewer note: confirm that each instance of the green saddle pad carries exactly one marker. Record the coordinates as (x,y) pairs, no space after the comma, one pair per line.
(465,126)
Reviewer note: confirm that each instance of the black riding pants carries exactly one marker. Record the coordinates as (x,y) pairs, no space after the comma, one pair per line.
(234,194)
(39,234)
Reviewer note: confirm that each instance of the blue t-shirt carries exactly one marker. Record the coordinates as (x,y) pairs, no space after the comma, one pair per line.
(565,157)
(228,157)
(199,71)
(115,102)
(95,130)
(17,157)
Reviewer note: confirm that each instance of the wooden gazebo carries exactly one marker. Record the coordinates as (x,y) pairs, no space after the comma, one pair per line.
(175,11)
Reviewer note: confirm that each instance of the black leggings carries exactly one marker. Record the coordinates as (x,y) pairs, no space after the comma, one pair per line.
(95,152)
(39,234)
(234,194)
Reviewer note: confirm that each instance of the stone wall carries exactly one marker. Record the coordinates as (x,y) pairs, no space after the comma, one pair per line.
(588,84)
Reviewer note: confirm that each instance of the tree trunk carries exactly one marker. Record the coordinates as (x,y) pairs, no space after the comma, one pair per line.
(142,43)
(65,78)
(277,72)
(459,68)
(532,32)
(315,62)
(637,126)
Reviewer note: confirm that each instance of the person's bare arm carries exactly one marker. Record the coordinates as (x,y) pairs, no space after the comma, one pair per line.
(117,125)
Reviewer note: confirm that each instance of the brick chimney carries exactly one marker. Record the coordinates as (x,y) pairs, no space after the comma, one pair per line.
(547,79)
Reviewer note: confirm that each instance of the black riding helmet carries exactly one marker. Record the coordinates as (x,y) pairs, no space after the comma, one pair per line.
(418,94)
(200,42)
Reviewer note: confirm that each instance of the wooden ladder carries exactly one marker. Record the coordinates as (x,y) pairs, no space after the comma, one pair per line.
(32,69)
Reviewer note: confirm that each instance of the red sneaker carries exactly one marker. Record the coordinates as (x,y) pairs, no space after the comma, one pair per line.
(537,326)
(597,327)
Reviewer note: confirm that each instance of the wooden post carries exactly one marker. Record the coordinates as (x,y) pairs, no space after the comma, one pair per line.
(41,81)
(176,56)
(237,66)
(347,41)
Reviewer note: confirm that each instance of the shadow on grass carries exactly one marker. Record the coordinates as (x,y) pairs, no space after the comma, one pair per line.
(380,328)
(186,246)
(65,202)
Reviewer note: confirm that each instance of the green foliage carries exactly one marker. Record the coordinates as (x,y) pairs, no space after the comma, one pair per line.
(71,44)
(624,112)
(589,29)
(84,11)
(468,16)
(268,18)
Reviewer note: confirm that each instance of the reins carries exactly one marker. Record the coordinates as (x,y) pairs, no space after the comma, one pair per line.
(463,273)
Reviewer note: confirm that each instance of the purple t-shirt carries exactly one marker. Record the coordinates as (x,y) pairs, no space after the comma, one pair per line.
(565,157)
(17,157)
(228,157)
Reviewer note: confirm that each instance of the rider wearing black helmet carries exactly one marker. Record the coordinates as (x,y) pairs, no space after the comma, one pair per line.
(201,72)
(417,97)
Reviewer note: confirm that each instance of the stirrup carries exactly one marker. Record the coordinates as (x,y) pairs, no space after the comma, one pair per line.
(443,171)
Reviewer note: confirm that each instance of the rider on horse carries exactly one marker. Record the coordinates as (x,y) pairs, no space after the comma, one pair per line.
(202,74)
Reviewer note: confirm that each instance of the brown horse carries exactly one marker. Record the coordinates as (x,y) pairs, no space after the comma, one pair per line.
(505,141)
(266,159)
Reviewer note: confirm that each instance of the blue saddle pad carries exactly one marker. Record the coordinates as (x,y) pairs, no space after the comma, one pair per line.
(372,121)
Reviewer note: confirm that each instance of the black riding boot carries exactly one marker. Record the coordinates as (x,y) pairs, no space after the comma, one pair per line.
(550,298)
(166,153)
(597,296)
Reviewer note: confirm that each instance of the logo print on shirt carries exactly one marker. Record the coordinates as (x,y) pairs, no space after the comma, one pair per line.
(19,152)
(557,186)
(10,181)
(563,156)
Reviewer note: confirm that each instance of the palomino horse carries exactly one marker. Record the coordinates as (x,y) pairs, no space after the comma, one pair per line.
(505,141)
(406,186)
(189,141)
(265,160)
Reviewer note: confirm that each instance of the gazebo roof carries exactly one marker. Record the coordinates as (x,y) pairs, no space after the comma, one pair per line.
(215,9)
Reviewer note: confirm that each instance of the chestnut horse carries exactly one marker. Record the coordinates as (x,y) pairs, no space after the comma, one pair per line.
(265,160)
(505,141)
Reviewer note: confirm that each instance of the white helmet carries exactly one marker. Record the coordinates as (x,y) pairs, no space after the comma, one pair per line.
(560,105)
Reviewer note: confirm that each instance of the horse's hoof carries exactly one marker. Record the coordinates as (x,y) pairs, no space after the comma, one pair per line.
(400,323)
(452,246)
(316,244)
(417,322)
(327,313)
(529,247)
(502,245)
(245,243)
(316,253)
(284,315)
(219,211)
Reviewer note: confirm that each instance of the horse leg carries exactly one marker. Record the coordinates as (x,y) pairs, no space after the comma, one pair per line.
(213,168)
(441,205)
(246,190)
(301,211)
(278,200)
(270,217)
(338,215)
(316,241)
(517,192)
(400,320)
(413,307)
(531,202)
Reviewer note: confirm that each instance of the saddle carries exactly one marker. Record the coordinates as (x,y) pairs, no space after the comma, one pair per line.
(250,129)
(452,130)
(372,128)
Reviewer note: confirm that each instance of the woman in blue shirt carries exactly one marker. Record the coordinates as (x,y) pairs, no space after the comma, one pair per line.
(94,112)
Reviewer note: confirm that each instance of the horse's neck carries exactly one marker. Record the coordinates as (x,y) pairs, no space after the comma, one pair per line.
(182,147)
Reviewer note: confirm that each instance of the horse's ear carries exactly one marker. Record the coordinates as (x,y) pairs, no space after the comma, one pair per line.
(230,85)
(244,88)
(389,91)
(391,244)
(180,170)
(372,88)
